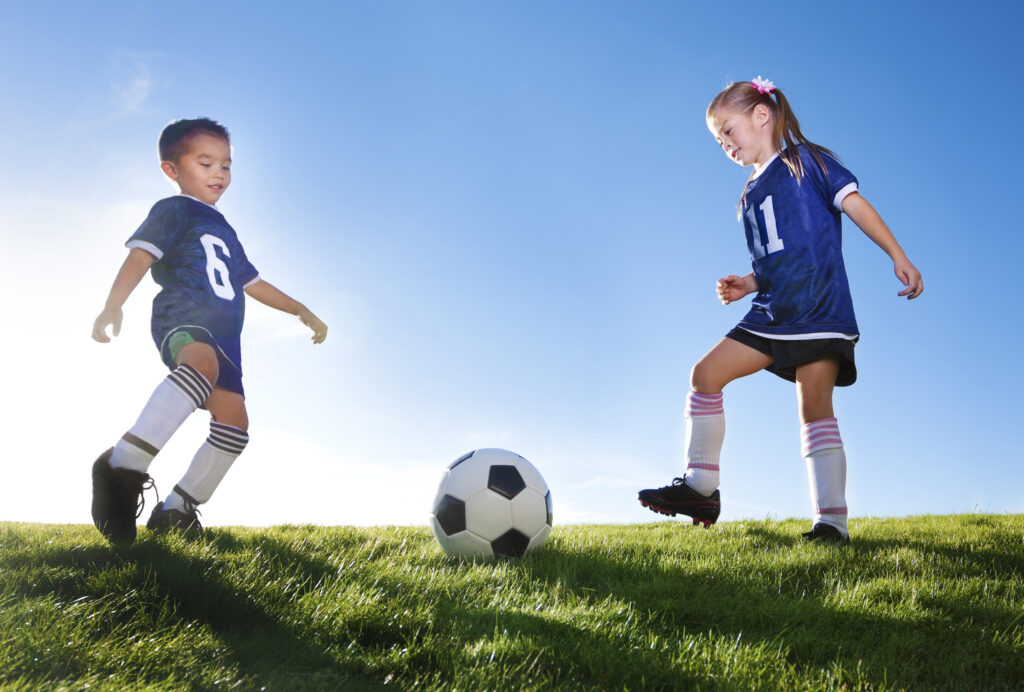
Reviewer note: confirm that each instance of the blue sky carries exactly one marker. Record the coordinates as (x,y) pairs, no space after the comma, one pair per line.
(512,216)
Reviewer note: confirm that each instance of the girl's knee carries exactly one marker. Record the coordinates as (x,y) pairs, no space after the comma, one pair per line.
(704,379)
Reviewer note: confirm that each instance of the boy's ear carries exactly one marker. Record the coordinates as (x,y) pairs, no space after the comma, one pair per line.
(169,169)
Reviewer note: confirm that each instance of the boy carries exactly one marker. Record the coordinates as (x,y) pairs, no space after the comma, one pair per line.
(198,261)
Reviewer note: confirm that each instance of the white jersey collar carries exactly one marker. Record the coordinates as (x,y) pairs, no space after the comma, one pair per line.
(766,164)
(211,206)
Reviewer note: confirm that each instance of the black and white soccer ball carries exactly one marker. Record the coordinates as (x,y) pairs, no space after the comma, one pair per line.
(491,502)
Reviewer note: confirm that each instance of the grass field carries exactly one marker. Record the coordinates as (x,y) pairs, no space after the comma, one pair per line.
(931,602)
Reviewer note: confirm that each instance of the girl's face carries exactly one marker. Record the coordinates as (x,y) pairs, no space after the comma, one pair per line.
(746,138)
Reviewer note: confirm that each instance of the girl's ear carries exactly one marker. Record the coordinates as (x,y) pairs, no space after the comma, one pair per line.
(169,169)
(761,115)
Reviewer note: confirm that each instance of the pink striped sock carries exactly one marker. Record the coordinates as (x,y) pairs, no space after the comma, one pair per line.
(826,471)
(705,433)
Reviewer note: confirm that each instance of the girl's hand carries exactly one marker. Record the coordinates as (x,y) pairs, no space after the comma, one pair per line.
(109,316)
(314,323)
(908,274)
(731,288)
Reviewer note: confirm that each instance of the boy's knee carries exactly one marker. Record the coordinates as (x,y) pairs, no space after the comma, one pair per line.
(228,408)
(202,357)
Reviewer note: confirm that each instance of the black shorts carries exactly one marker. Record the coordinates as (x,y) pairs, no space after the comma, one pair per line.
(787,354)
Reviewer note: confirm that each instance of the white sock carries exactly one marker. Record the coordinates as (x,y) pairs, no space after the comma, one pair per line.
(705,433)
(209,466)
(174,400)
(826,471)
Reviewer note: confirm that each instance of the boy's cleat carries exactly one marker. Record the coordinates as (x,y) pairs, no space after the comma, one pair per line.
(117,498)
(186,520)
(679,498)
(824,533)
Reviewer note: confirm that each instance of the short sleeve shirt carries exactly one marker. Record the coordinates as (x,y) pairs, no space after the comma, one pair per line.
(794,235)
(201,268)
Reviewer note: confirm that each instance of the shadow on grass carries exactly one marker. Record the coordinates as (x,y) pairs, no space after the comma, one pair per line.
(944,639)
(265,650)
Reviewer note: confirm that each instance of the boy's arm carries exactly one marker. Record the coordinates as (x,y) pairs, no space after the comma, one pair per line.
(135,266)
(268,294)
(869,221)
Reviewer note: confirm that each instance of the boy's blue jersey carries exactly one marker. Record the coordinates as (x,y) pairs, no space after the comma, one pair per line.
(202,269)
(794,234)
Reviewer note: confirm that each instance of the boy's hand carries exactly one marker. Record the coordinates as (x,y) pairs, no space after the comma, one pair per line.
(314,323)
(732,288)
(109,316)
(908,274)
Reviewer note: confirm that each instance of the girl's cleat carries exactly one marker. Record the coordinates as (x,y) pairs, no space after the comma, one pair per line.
(679,498)
(824,533)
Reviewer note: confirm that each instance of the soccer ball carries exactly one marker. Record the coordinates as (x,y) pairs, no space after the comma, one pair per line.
(491,502)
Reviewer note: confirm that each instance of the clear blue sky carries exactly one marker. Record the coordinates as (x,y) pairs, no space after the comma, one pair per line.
(512,216)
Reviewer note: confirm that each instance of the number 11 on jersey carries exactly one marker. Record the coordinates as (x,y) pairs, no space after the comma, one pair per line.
(774,241)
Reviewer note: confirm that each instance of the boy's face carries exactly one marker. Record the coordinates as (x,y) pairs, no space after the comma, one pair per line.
(204,171)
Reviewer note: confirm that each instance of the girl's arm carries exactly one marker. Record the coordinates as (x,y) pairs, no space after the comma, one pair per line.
(731,288)
(268,294)
(869,221)
(135,266)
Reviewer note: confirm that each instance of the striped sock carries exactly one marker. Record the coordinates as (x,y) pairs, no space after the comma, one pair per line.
(705,433)
(826,471)
(174,400)
(209,466)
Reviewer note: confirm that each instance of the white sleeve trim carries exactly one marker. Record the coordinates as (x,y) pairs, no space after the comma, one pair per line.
(256,279)
(837,202)
(145,245)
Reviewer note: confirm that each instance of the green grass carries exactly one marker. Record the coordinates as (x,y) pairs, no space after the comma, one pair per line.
(918,603)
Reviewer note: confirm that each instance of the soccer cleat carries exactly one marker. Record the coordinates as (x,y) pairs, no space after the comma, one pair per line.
(186,521)
(824,533)
(679,498)
(117,498)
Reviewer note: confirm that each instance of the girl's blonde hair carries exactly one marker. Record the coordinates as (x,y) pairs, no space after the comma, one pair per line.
(744,97)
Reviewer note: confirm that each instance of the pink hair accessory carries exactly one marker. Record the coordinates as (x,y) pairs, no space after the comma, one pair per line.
(765,86)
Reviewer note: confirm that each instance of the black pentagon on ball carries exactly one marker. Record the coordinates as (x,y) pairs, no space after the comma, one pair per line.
(451,515)
(505,480)
(512,543)
(460,460)
(547,503)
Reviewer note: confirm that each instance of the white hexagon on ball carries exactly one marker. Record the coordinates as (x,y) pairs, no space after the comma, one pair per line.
(491,502)
(529,513)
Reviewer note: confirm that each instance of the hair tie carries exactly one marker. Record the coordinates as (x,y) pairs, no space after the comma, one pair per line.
(764,86)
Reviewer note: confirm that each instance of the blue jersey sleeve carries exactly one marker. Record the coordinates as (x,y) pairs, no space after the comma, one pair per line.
(161,229)
(833,186)
(247,274)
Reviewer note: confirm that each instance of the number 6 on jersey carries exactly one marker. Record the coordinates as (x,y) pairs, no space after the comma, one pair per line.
(216,270)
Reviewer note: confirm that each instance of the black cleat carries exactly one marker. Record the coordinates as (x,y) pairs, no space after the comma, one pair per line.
(825,533)
(679,498)
(117,499)
(186,520)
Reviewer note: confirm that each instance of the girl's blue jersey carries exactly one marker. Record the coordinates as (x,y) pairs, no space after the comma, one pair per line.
(202,269)
(794,234)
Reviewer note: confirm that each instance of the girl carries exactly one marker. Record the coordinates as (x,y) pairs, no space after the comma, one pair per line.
(801,324)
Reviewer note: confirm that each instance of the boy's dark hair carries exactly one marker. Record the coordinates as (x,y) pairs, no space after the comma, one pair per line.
(174,138)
